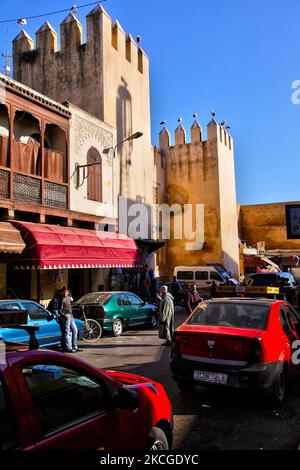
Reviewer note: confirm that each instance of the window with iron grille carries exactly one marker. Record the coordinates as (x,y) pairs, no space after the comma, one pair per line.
(94,181)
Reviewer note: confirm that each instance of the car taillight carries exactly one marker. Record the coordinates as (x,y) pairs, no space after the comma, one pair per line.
(256,353)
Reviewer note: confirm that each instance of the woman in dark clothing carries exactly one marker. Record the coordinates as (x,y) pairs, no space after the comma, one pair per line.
(193,299)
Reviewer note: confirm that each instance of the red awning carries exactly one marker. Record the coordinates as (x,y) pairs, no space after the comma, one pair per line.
(55,247)
(10,239)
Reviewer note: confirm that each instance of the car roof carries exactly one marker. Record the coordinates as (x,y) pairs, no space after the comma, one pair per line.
(110,292)
(248,300)
(20,300)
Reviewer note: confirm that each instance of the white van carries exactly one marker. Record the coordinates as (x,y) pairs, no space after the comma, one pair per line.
(202,276)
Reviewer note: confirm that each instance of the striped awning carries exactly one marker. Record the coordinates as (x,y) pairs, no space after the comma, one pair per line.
(10,239)
(56,247)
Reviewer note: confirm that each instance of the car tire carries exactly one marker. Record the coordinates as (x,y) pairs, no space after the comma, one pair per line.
(157,440)
(185,386)
(279,389)
(117,328)
(153,321)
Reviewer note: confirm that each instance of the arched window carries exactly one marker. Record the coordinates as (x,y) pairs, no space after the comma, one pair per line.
(94,190)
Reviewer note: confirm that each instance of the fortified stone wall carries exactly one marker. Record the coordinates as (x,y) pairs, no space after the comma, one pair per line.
(202,172)
(266,223)
(108,76)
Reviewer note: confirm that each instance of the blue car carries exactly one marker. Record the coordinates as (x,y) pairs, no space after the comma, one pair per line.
(49,333)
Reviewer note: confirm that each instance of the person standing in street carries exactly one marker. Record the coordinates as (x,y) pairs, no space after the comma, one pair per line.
(175,289)
(54,305)
(67,323)
(193,299)
(166,315)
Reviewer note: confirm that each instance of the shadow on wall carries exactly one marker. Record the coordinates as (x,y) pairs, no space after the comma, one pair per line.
(231,265)
(124,130)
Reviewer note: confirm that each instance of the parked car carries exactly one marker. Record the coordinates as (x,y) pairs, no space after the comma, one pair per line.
(117,311)
(203,276)
(50,401)
(239,343)
(49,333)
(284,280)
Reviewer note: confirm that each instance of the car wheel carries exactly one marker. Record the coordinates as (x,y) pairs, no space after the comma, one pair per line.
(157,440)
(185,386)
(153,321)
(117,328)
(279,388)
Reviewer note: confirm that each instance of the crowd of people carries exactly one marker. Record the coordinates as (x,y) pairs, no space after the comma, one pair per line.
(61,308)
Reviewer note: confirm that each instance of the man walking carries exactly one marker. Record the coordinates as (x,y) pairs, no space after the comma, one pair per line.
(67,323)
(175,289)
(193,299)
(166,315)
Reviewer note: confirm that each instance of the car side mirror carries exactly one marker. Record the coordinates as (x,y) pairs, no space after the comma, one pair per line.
(127,399)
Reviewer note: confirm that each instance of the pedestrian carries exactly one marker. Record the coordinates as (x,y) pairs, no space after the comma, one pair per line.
(166,315)
(175,289)
(193,299)
(68,325)
(153,285)
(54,305)
(213,289)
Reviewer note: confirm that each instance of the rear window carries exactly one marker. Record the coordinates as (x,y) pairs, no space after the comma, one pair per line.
(231,315)
(185,275)
(95,298)
(270,279)
(262,280)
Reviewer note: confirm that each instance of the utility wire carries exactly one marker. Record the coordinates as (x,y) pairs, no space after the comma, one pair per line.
(52,13)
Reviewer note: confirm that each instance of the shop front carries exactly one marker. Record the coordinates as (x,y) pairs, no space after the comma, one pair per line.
(57,256)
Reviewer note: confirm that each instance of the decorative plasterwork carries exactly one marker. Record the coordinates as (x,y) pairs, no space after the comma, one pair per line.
(85,130)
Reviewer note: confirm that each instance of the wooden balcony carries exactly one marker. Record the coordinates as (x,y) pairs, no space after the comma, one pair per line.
(25,181)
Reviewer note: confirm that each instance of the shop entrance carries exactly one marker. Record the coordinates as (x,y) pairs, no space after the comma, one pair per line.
(18,283)
(79,282)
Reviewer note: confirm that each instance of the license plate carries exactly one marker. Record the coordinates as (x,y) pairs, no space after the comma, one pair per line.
(210,377)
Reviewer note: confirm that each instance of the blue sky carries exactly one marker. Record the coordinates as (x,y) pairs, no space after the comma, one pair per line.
(239,58)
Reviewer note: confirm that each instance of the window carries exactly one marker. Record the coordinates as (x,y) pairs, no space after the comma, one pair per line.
(201,275)
(36,312)
(123,300)
(216,277)
(9,306)
(236,315)
(94,185)
(134,300)
(293,315)
(285,323)
(185,275)
(62,396)
(8,434)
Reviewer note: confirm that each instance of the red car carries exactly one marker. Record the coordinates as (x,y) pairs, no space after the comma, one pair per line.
(240,343)
(50,401)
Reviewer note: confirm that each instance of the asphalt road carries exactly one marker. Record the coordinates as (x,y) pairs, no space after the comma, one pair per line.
(205,419)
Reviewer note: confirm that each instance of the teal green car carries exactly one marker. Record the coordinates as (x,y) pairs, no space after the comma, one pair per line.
(117,311)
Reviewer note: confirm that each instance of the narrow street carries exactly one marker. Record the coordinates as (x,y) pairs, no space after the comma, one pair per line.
(205,419)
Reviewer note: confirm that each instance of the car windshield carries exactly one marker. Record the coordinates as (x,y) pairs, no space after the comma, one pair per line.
(231,315)
(94,298)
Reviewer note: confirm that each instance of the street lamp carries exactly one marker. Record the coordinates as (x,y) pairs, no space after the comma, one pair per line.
(134,136)
(106,151)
